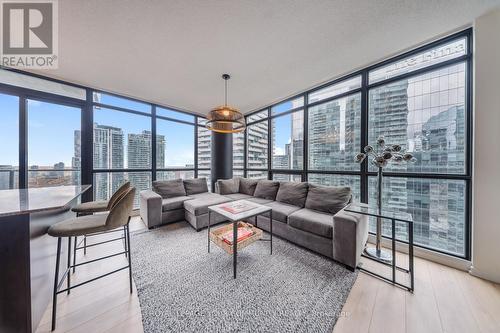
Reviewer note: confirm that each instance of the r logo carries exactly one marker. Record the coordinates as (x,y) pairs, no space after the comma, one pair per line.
(27,28)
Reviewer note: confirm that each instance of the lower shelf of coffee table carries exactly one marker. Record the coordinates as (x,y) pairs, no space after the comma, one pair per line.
(216,236)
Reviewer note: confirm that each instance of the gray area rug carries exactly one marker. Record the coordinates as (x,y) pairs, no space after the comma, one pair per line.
(182,288)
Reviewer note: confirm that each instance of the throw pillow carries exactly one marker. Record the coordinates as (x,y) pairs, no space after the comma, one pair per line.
(228,186)
(266,189)
(292,193)
(247,186)
(329,199)
(196,185)
(169,188)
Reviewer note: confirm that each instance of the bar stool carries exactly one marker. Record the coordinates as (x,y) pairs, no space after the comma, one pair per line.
(118,217)
(91,207)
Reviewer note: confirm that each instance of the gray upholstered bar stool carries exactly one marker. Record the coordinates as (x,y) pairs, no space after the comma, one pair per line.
(118,217)
(91,207)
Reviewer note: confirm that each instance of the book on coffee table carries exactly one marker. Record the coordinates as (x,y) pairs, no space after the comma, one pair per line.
(237,207)
(243,233)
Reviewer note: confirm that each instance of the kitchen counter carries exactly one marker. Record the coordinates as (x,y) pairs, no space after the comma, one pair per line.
(21,201)
(28,253)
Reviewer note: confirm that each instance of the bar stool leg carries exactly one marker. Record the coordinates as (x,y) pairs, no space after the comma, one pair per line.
(56,278)
(74,253)
(129,256)
(85,245)
(68,266)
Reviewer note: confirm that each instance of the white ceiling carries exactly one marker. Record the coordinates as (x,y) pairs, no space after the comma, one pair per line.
(173,52)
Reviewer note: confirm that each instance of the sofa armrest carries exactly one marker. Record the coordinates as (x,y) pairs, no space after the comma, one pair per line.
(150,207)
(350,233)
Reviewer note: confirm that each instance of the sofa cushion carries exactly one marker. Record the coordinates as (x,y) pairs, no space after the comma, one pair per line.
(169,188)
(173,203)
(281,211)
(195,185)
(247,186)
(266,189)
(228,186)
(260,201)
(238,196)
(313,221)
(292,193)
(328,199)
(199,205)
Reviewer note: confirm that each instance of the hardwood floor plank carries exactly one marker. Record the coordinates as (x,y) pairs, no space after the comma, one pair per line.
(484,301)
(358,309)
(422,314)
(455,312)
(389,310)
(445,300)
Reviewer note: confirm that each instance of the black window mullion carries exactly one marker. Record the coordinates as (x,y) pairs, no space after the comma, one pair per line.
(364,135)
(196,147)
(87,146)
(23,143)
(305,140)
(269,148)
(153,143)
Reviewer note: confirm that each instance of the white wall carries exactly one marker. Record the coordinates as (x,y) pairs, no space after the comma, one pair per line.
(486,178)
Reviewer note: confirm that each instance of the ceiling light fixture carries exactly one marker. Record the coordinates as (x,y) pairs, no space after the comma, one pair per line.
(226,119)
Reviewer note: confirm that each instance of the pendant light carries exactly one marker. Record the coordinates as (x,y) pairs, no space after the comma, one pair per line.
(225,119)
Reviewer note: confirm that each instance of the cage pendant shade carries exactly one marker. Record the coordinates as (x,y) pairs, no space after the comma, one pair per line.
(225,119)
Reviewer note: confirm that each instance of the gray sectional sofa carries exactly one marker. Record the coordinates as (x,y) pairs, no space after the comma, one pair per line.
(308,215)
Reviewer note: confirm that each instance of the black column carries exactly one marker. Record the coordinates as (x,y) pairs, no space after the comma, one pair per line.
(222,157)
(87,146)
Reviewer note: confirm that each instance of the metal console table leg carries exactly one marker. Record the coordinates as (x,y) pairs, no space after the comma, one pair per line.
(208,233)
(410,271)
(235,247)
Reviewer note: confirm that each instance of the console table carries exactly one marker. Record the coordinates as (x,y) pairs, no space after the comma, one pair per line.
(394,216)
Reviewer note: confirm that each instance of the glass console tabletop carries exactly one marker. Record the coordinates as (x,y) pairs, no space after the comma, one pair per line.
(371,210)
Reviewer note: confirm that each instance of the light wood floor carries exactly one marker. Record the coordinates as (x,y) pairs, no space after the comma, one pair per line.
(445,300)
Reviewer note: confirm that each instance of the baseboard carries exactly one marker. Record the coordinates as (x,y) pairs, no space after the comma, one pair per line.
(477,273)
(440,258)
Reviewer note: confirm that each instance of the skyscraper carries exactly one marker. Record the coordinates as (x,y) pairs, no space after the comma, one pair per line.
(108,154)
(139,156)
(204,148)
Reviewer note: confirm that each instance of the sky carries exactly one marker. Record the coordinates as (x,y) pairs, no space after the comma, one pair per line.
(51,130)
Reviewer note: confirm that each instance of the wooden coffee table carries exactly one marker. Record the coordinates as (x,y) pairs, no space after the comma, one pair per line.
(235,219)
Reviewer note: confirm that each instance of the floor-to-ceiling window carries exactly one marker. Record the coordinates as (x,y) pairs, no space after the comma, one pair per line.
(57,133)
(420,100)
(175,136)
(204,149)
(257,139)
(122,146)
(53,145)
(9,137)
(40,126)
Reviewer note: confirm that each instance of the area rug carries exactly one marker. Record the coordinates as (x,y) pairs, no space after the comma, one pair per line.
(182,288)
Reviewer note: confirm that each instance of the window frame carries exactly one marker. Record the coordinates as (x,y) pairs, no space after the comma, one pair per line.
(363,171)
(87,170)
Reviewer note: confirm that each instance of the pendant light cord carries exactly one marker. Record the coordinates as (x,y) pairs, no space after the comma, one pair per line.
(225,92)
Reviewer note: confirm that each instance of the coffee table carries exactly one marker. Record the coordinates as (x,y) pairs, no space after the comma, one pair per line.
(235,218)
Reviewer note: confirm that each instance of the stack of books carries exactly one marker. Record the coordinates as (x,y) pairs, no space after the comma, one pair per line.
(243,233)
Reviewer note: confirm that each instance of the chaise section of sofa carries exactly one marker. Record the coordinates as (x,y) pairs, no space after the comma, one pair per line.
(176,200)
(164,203)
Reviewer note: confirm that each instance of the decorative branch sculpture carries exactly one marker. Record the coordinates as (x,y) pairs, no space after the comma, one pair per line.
(380,156)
